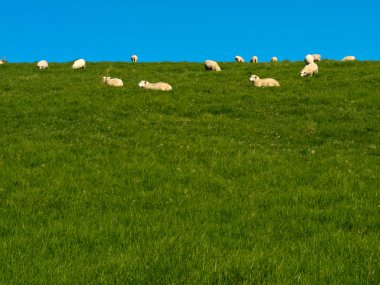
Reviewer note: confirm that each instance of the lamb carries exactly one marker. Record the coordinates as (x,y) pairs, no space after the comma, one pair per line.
(316,57)
(42,64)
(349,58)
(310,69)
(212,65)
(134,58)
(309,59)
(274,59)
(265,82)
(116,82)
(254,59)
(79,64)
(238,58)
(155,86)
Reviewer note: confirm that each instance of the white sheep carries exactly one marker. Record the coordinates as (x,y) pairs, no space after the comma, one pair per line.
(349,58)
(254,59)
(116,82)
(238,58)
(316,57)
(3,61)
(155,86)
(212,65)
(134,58)
(310,69)
(273,59)
(309,59)
(79,64)
(265,82)
(42,64)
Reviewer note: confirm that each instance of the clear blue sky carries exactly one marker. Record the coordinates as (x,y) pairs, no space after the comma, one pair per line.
(176,30)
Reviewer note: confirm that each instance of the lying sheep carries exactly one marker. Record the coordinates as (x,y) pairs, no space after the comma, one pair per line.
(310,69)
(238,58)
(265,82)
(134,58)
(316,57)
(155,86)
(274,59)
(254,59)
(212,65)
(349,58)
(309,59)
(79,64)
(116,82)
(42,64)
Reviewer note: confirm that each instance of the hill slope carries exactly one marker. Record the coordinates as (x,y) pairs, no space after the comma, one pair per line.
(214,182)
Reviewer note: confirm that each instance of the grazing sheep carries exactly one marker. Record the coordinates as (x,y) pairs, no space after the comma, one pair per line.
(254,59)
(348,58)
(316,57)
(134,58)
(3,61)
(238,58)
(310,69)
(212,65)
(79,64)
(265,82)
(155,86)
(42,64)
(116,82)
(274,59)
(309,59)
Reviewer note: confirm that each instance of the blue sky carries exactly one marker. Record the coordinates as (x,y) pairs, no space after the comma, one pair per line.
(175,30)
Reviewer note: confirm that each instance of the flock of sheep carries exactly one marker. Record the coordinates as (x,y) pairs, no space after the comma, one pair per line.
(310,69)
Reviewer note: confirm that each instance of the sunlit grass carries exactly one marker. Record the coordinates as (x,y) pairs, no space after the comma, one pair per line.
(214,182)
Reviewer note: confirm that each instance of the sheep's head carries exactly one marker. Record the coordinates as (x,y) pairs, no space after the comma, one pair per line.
(303,73)
(142,83)
(253,78)
(105,78)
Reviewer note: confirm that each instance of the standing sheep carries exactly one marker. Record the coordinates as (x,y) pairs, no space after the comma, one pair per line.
(238,58)
(42,64)
(349,58)
(316,57)
(155,86)
(310,69)
(265,82)
(273,59)
(134,58)
(254,59)
(212,65)
(309,59)
(115,82)
(79,64)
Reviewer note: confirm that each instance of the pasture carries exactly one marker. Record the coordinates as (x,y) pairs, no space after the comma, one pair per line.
(215,182)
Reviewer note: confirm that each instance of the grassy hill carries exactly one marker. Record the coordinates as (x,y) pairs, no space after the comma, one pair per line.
(215,182)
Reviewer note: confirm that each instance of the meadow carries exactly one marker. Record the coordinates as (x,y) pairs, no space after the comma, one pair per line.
(215,182)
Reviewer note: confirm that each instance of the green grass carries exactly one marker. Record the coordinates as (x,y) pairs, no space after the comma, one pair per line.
(216,182)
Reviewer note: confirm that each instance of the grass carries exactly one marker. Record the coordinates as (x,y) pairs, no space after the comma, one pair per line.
(216,182)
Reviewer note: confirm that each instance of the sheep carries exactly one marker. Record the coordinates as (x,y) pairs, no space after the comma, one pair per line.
(79,64)
(349,58)
(3,61)
(310,69)
(238,58)
(309,59)
(42,64)
(316,57)
(116,82)
(265,82)
(134,58)
(254,59)
(155,86)
(273,59)
(212,65)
